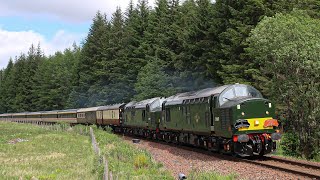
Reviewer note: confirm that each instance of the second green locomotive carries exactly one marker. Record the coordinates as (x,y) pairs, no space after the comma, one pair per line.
(231,119)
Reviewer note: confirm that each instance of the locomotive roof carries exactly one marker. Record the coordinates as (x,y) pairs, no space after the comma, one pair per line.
(113,106)
(141,104)
(130,104)
(179,98)
(210,91)
(6,114)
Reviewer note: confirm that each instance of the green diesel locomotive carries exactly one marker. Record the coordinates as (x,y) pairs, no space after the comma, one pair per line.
(230,119)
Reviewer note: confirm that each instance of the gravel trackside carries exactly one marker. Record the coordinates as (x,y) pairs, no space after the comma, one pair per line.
(176,160)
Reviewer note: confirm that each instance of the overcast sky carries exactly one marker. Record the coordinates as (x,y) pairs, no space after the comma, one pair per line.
(55,24)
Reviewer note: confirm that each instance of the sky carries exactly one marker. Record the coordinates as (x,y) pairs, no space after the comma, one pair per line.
(55,24)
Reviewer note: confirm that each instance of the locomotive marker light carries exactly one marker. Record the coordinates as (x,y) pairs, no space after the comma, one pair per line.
(256,122)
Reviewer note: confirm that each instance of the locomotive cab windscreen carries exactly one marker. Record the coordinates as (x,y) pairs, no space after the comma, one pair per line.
(238,91)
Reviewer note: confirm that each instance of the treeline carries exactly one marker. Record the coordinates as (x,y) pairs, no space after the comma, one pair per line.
(144,52)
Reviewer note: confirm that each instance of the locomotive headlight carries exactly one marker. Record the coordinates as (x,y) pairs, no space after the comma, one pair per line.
(238,106)
(267,112)
(270,105)
(242,113)
(256,122)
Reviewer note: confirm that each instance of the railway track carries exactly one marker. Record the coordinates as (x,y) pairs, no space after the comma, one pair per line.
(295,167)
(300,168)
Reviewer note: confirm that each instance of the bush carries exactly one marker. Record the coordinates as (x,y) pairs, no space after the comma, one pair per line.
(290,144)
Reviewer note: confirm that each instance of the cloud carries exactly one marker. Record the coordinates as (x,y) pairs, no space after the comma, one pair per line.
(70,10)
(13,43)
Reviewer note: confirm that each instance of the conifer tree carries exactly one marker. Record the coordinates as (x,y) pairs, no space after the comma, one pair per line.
(153,81)
(6,93)
(91,69)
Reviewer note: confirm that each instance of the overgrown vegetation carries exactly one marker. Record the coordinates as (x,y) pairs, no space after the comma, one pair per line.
(28,151)
(181,46)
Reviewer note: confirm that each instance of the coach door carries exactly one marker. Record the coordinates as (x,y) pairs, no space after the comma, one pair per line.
(213,105)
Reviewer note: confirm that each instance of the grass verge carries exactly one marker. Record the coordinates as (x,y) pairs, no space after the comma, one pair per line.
(28,151)
(128,162)
(210,176)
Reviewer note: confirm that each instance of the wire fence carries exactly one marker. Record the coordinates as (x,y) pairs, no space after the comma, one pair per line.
(106,174)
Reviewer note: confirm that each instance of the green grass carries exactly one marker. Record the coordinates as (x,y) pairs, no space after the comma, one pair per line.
(195,175)
(128,162)
(46,154)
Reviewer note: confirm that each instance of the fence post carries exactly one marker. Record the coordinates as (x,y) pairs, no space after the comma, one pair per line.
(104,162)
(106,169)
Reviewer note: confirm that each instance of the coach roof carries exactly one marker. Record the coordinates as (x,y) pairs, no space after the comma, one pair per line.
(113,106)
(90,109)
